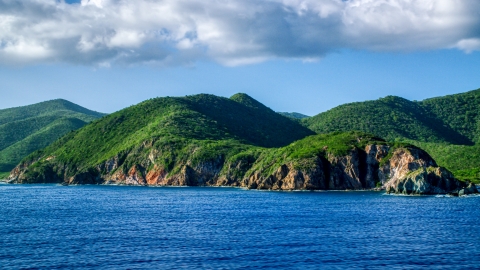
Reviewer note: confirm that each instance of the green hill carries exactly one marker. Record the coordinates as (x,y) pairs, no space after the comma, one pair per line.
(447,127)
(215,124)
(206,125)
(29,128)
(56,107)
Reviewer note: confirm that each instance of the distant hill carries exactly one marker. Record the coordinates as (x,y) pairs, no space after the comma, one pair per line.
(29,128)
(294,115)
(56,107)
(447,127)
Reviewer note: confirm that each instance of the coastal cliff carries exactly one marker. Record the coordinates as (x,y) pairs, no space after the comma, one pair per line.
(365,163)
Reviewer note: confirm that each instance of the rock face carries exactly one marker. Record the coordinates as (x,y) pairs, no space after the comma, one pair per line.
(429,180)
(375,154)
(290,177)
(413,172)
(404,170)
(470,189)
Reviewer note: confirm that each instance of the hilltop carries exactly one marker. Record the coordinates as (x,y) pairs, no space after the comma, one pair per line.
(57,107)
(294,115)
(28,128)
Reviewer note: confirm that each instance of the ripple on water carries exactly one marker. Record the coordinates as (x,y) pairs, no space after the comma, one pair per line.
(121,227)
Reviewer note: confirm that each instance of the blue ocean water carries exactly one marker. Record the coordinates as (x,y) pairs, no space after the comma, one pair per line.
(121,227)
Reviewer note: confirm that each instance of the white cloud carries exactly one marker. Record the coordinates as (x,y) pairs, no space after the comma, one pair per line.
(231,32)
(469,45)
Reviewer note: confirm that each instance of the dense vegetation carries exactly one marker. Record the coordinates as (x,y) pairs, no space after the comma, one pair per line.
(446,127)
(392,118)
(461,112)
(248,120)
(194,127)
(29,128)
(39,139)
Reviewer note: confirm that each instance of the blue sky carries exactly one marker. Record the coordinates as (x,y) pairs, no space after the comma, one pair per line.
(303,56)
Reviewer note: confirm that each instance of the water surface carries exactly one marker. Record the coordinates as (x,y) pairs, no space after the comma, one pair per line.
(121,227)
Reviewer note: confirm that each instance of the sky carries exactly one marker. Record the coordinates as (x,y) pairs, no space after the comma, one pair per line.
(306,56)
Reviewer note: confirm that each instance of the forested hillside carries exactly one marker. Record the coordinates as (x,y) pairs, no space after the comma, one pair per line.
(392,118)
(191,128)
(461,112)
(29,128)
(447,127)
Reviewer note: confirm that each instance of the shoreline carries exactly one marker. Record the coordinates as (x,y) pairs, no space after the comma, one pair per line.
(5,181)
(376,190)
(446,195)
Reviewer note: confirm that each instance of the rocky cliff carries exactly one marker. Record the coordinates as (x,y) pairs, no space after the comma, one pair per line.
(310,164)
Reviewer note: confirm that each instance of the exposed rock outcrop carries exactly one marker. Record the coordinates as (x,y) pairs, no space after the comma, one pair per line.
(345,172)
(413,172)
(403,170)
(374,155)
(470,189)
(429,180)
(308,175)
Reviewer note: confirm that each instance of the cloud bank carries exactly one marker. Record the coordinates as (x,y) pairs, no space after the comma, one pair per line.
(230,32)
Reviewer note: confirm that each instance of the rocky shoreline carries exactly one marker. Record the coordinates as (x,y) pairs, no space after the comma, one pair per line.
(404,170)
(471,189)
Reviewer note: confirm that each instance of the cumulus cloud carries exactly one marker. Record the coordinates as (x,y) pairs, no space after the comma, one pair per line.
(231,32)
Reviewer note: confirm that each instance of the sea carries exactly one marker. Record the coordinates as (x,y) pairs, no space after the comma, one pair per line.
(132,227)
